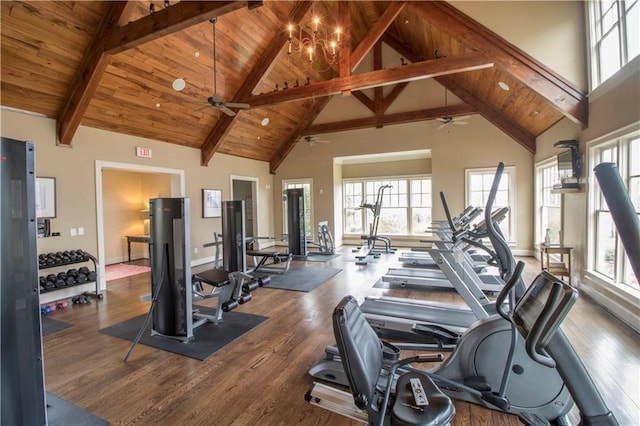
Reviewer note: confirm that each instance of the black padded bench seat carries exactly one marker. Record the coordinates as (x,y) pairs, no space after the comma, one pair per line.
(274,256)
(214,277)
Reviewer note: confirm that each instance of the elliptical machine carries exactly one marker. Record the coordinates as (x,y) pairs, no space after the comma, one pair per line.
(490,366)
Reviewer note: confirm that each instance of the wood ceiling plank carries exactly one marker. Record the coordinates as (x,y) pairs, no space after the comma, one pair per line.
(345,44)
(167,21)
(410,72)
(560,93)
(266,61)
(286,148)
(391,119)
(374,34)
(510,127)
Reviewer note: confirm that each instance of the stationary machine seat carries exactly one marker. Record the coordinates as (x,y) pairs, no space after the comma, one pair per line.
(361,352)
(213,277)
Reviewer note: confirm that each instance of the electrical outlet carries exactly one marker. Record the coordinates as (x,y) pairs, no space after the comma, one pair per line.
(81,231)
(195,250)
(73,232)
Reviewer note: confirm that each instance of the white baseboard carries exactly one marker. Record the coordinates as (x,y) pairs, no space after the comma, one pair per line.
(619,305)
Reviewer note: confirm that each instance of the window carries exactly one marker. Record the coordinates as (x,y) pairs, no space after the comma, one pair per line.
(406,206)
(606,253)
(614,36)
(548,212)
(478,185)
(307,185)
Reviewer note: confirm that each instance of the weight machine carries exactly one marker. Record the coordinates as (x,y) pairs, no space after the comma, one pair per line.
(370,247)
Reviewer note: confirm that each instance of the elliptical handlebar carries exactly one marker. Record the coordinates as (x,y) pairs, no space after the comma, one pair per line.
(517,273)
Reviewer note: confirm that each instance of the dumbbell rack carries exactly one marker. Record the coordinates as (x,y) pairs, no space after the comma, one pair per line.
(81,256)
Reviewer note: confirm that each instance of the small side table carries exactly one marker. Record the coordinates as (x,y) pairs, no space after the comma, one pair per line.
(136,239)
(562,268)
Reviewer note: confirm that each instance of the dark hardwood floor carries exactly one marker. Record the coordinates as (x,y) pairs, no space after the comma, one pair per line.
(261,378)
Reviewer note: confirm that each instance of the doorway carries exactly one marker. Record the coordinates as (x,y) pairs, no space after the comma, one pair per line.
(245,188)
(177,189)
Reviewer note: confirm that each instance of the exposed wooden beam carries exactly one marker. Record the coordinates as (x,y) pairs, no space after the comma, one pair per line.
(511,128)
(411,72)
(364,99)
(390,119)
(88,75)
(560,93)
(262,66)
(378,93)
(392,96)
(374,34)
(302,127)
(167,21)
(497,118)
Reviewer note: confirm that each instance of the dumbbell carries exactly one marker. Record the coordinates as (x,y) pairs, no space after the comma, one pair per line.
(81,299)
(61,305)
(84,270)
(70,280)
(81,278)
(72,273)
(92,276)
(47,309)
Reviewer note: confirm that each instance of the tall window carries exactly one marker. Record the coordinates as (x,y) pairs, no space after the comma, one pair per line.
(478,186)
(615,39)
(606,251)
(307,185)
(548,213)
(406,206)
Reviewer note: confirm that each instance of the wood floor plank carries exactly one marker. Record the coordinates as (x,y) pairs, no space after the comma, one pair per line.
(261,378)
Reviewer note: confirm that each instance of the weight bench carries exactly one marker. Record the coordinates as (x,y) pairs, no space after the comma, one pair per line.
(231,289)
(275,257)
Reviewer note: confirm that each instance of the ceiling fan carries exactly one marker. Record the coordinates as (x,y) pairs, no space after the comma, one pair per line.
(217,101)
(447,119)
(312,140)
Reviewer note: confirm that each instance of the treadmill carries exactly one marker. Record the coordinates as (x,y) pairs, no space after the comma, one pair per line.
(431,325)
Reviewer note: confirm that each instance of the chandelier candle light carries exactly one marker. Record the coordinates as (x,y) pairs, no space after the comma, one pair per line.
(317,38)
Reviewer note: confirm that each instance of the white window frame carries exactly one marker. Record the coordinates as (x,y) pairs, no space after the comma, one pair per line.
(595,36)
(597,285)
(409,207)
(539,167)
(299,183)
(509,173)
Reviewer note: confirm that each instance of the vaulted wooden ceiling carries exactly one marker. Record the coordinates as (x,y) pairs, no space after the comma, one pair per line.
(111,65)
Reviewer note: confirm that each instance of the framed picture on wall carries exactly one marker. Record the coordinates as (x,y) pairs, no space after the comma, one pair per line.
(45,197)
(211,203)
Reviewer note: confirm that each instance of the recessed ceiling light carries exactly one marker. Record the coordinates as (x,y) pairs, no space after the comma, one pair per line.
(503,85)
(265,121)
(197,54)
(258,138)
(178,84)
(157,105)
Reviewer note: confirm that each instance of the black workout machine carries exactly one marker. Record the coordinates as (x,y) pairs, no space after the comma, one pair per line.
(171,280)
(296,223)
(22,393)
(370,247)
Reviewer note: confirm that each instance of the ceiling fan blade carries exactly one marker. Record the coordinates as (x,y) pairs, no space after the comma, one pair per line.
(461,123)
(441,126)
(237,105)
(226,110)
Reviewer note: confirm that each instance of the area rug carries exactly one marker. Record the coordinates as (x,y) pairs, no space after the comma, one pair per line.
(302,278)
(121,270)
(320,257)
(50,325)
(61,412)
(209,337)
